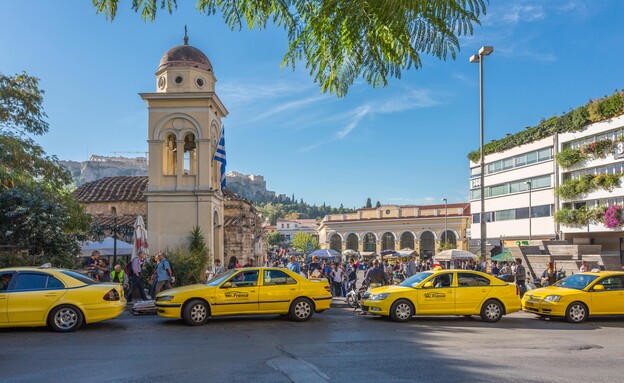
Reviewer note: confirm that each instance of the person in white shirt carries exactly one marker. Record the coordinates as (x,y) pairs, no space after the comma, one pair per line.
(336,275)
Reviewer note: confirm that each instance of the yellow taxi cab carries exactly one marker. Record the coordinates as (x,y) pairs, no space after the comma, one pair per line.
(444,292)
(61,299)
(578,296)
(255,290)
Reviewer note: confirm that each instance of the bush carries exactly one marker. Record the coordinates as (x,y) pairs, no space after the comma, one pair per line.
(569,157)
(188,266)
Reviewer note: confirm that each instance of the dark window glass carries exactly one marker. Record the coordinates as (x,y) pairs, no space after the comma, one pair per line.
(522,213)
(443,280)
(540,211)
(245,279)
(471,280)
(5,280)
(27,281)
(612,283)
(476,218)
(82,278)
(54,283)
(277,277)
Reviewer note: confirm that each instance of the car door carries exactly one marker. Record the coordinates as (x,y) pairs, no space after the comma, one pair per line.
(277,291)
(238,294)
(5,282)
(609,299)
(472,289)
(438,299)
(32,295)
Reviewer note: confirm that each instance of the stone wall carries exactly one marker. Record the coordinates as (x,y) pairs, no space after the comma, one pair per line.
(243,232)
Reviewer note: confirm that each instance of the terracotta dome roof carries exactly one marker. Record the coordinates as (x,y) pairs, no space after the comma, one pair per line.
(109,189)
(185,56)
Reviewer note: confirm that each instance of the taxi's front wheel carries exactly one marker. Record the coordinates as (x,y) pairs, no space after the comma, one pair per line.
(195,313)
(301,310)
(401,311)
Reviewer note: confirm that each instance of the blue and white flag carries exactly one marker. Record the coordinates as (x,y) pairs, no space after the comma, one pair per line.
(220,156)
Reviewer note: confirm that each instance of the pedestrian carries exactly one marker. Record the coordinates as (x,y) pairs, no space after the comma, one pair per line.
(103,270)
(327,270)
(91,263)
(217,268)
(249,263)
(584,267)
(165,274)
(549,276)
(233,263)
(375,276)
(119,276)
(314,268)
(411,268)
(136,280)
(520,275)
(293,265)
(336,274)
(495,269)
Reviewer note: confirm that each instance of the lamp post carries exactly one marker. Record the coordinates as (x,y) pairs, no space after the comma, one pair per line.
(528,182)
(99,232)
(445,219)
(478,58)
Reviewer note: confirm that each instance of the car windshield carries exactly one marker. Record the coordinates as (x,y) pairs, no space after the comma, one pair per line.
(576,281)
(415,279)
(221,277)
(82,278)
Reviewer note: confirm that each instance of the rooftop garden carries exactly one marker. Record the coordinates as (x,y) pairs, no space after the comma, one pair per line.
(594,111)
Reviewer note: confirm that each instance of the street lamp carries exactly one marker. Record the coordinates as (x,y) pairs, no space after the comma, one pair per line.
(478,58)
(99,232)
(445,219)
(528,182)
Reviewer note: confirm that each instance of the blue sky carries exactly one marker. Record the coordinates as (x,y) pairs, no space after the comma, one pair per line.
(403,144)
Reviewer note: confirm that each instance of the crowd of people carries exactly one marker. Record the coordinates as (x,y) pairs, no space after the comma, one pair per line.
(131,276)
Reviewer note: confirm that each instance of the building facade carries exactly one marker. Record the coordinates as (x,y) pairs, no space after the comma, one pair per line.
(289,227)
(244,233)
(391,227)
(184,129)
(594,168)
(519,186)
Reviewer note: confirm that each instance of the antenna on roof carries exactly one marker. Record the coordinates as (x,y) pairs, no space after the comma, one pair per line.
(185,35)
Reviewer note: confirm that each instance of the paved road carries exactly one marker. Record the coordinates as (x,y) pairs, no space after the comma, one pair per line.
(335,346)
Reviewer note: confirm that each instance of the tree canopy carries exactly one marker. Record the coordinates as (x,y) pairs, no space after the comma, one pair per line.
(301,239)
(341,41)
(39,217)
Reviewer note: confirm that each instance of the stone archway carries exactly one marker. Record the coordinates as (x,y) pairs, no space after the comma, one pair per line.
(335,243)
(352,242)
(387,241)
(427,244)
(407,240)
(370,242)
(450,237)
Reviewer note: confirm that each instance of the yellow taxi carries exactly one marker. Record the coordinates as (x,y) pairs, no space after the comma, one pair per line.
(578,296)
(61,299)
(256,290)
(444,292)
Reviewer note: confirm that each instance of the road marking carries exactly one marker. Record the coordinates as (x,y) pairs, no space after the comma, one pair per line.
(298,370)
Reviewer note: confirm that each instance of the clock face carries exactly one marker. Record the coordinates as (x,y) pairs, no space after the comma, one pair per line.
(162,82)
(387,211)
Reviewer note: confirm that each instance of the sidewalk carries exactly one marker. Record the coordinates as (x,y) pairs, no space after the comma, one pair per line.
(339,302)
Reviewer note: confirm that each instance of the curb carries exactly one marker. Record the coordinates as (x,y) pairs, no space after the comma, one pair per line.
(339,303)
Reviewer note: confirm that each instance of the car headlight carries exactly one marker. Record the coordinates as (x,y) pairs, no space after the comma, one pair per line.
(379,297)
(552,298)
(165,298)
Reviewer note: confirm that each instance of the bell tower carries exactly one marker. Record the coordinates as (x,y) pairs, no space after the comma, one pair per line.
(184,130)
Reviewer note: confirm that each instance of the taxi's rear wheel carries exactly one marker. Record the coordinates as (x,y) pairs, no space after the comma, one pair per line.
(576,312)
(492,311)
(196,313)
(65,318)
(301,310)
(401,311)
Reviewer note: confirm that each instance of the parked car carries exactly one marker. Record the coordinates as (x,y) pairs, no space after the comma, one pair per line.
(444,292)
(58,298)
(579,296)
(247,291)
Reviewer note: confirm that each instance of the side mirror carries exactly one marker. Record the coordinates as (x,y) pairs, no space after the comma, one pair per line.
(428,285)
(226,285)
(598,288)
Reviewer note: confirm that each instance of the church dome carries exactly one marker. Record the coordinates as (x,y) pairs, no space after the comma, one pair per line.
(185,56)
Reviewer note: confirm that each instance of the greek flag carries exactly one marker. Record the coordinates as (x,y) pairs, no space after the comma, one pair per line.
(220,156)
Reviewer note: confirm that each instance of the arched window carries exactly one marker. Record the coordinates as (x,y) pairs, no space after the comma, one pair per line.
(113,210)
(190,154)
(387,241)
(407,240)
(449,236)
(370,242)
(335,243)
(352,242)
(171,156)
(427,244)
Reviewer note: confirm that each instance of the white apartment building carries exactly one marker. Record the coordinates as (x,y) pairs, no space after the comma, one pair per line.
(288,228)
(612,163)
(516,181)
